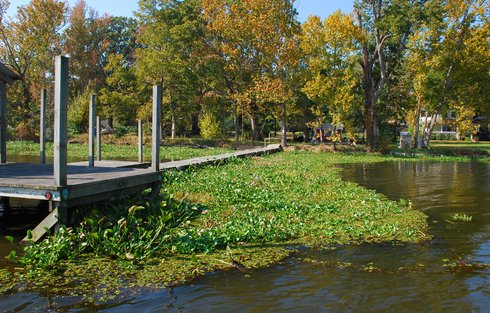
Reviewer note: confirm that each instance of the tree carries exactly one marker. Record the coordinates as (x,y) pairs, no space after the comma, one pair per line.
(169,30)
(385,26)
(28,44)
(121,35)
(120,97)
(86,43)
(256,41)
(332,80)
(448,62)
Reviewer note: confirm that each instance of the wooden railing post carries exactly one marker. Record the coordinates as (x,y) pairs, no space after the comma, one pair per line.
(60,120)
(91,132)
(155,128)
(140,141)
(99,143)
(42,128)
(3,122)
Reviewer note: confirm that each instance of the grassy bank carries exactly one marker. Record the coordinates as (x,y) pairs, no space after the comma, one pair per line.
(457,146)
(246,214)
(463,150)
(111,151)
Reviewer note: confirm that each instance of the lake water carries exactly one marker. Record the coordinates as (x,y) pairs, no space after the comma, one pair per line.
(436,276)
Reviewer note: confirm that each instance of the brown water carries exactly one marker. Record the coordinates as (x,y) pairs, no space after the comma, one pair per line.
(409,278)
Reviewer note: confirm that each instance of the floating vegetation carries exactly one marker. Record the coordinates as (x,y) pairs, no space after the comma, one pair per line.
(238,216)
(462,217)
(454,266)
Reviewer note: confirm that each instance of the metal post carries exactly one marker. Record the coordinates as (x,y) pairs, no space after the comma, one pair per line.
(91,132)
(155,128)
(99,143)
(140,141)
(3,122)
(42,128)
(60,120)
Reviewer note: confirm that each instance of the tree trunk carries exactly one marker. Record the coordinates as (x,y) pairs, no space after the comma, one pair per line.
(416,131)
(371,122)
(236,124)
(306,133)
(195,131)
(283,125)
(433,121)
(253,126)
(174,127)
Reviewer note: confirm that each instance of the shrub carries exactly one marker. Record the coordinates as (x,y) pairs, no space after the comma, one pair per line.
(78,111)
(210,126)
(24,131)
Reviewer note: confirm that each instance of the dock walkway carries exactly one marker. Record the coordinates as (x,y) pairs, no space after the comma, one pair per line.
(66,185)
(106,179)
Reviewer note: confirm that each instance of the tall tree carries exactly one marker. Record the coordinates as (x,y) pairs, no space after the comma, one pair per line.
(257,43)
(86,43)
(448,59)
(120,98)
(29,41)
(169,30)
(386,26)
(332,75)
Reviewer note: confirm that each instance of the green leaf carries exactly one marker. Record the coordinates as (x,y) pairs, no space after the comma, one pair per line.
(29,234)
(135,208)
(10,239)
(12,255)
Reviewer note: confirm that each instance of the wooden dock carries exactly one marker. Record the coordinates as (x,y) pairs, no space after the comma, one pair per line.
(90,184)
(182,164)
(65,185)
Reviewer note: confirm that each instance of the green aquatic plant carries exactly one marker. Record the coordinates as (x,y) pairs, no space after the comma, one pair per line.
(240,215)
(462,217)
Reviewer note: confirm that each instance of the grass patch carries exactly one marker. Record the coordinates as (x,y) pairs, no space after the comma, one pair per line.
(79,151)
(459,150)
(460,145)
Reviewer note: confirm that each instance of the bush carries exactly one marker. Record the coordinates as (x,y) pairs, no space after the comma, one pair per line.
(210,126)
(78,111)
(24,131)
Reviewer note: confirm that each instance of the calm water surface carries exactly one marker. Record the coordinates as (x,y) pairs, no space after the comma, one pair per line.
(426,285)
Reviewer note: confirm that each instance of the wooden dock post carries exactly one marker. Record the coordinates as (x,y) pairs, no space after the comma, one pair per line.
(155,147)
(42,127)
(140,141)
(60,120)
(155,128)
(91,131)
(99,143)
(3,122)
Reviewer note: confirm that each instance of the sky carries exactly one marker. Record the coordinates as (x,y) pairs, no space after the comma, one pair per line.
(323,8)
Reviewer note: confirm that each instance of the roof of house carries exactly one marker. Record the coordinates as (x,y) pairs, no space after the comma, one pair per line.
(7,75)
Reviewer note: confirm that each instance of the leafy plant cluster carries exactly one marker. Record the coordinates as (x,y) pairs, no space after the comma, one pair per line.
(117,231)
(295,198)
(288,197)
